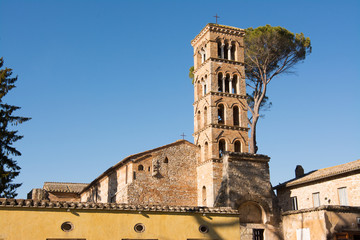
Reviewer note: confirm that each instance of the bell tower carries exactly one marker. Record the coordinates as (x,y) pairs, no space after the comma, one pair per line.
(220,107)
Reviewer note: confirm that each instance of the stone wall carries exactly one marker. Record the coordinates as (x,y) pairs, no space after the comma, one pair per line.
(246,186)
(327,188)
(166,176)
(171,179)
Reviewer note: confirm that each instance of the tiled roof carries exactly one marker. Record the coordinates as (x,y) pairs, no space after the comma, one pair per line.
(322,174)
(29,203)
(64,187)
(134,158)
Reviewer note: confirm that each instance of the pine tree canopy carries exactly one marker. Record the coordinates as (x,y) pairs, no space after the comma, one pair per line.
(8,136)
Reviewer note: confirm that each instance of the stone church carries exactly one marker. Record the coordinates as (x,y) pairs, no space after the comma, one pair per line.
(215,172)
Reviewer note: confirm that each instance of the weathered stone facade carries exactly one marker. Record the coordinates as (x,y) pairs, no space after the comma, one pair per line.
(246,186)
(160,176)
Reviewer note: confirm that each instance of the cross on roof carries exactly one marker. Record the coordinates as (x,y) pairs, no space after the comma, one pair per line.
(216,16)
(183,136)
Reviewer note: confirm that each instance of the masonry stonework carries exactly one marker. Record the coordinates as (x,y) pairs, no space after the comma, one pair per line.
(246,186)
(160,176)
(220,108)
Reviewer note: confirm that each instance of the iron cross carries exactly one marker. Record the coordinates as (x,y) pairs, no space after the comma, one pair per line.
(216,16)
(183,135)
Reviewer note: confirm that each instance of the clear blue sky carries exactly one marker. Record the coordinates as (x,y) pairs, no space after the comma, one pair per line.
(106,79)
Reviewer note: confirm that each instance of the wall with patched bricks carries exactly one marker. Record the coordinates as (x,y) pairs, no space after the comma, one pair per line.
(171,179)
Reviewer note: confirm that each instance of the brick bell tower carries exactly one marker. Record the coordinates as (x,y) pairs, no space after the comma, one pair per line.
(220,108)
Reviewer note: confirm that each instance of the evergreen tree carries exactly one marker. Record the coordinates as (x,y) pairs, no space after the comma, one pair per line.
(8,166)
(269,52)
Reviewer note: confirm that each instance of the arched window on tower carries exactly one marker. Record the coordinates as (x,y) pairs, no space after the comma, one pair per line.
(232,51)
(234,84)
(227,83)
(206,151)
(226,50)
(200,92)
(205,116)
(220,82)
(219,48)
(199,89)
(198,117)
(237,146)
(140,168)
(204,88)
(203,193)
(203,55)
(222,147)
(236,116)
(221,119)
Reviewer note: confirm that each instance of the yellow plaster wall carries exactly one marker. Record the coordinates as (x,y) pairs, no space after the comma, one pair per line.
(23,224)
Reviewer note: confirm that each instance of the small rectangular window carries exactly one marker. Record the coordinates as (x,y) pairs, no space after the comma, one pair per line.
(258,234)
(294,205)
(316,199)
(343,200)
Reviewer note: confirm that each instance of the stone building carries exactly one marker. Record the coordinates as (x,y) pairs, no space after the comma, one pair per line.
(322,204)
(161,176)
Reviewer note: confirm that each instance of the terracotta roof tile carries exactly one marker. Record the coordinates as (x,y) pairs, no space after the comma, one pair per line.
(30,203)
(64,187)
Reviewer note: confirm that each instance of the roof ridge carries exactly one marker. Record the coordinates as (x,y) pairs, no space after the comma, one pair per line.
(66,182)
(6,203)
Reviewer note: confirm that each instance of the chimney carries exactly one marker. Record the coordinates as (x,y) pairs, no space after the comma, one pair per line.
(299,171)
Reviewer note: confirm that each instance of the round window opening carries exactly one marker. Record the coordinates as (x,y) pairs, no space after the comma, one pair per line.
(203,229)
(67,226)
(139,228)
